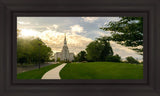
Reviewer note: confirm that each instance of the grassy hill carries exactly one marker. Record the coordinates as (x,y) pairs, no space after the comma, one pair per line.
(102,70)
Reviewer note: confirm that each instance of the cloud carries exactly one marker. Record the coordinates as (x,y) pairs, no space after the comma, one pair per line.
(55,40)
(77,43)
(124,51)
(113,19)
(23,23)
(76,29)
(89,19)
(52,27)
(55,26)
(106,33)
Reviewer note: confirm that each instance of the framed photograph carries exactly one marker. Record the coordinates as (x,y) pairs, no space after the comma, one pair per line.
(79,48)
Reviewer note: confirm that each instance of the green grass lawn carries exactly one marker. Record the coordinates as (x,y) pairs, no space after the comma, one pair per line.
(102,70)
(36,73)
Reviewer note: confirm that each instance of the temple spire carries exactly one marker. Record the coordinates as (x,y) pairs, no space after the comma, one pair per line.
(65,41)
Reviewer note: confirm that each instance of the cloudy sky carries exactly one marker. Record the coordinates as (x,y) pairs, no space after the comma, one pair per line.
(80,31)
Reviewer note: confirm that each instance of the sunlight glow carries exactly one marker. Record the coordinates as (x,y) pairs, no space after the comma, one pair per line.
(28,33)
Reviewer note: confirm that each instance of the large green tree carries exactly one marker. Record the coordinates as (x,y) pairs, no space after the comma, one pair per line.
(107,49)
(31,50)
(99,49)
(128,32)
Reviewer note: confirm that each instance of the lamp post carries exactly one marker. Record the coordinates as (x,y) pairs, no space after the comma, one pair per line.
(39,65)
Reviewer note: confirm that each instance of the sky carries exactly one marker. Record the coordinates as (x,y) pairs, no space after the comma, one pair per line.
(80,31)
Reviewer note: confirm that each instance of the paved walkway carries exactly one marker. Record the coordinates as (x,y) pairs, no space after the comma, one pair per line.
(53,73)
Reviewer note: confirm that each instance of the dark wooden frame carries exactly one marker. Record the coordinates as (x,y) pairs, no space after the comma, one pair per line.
(10,9)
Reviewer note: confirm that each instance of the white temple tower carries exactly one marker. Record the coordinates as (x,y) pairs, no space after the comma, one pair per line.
(64,55)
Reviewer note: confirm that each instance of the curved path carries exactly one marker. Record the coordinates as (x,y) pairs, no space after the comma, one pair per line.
(53,73)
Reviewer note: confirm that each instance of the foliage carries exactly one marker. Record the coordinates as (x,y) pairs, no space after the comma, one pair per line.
(107,49)
(115,58)
(58,59)
(36,73)
(32,51)
(81,56)
(102,70)
(131,60)
(99,49)
(128,31)
(52,60)
(94,50)
(18,32)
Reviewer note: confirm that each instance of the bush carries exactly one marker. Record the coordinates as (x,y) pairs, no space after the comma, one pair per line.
(115,58)
(132,60)
(141,62)
(58,59)
(51,60)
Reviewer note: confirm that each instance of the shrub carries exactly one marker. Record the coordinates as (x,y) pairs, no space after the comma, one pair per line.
(51,60)
(115,58)
(132,60)
(141,62)
(58,59)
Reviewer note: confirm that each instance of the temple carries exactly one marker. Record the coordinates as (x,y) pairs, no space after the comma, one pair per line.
(64,55)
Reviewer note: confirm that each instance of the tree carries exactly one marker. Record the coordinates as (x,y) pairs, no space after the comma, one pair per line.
(99,49)
(31,50)
(94,50)
(81,56)
(131,60)
(115,58)
(128,32)
(18,32)
(107,49)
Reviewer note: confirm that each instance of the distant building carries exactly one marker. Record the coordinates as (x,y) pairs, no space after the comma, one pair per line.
(64,55)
